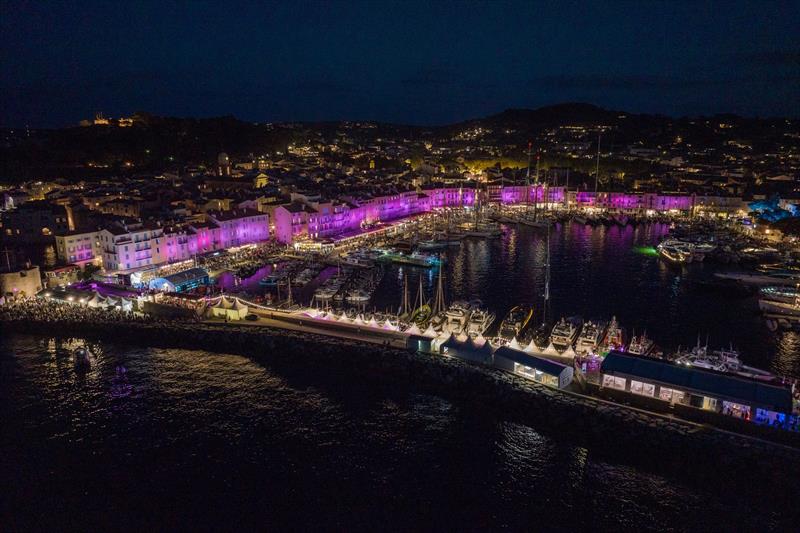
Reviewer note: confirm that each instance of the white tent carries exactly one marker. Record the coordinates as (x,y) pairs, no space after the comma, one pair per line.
(480,340)
(343,317)
(96,300)
(413,330)
(531,348)
(232,310)
(550,350)
(430,332)
(373,323)
(569,352)
(359,321)
(462,337)
(389,325)
(441,339)
(514,344)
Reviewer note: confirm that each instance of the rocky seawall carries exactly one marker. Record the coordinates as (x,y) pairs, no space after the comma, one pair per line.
(660,443)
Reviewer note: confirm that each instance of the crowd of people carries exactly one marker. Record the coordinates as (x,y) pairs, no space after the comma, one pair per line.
(248,257)
(50,310)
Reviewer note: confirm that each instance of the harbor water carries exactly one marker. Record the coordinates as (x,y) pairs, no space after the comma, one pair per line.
(598,273)
(159,439)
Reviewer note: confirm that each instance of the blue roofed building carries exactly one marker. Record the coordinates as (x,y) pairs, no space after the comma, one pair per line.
(183,281)
(535,368)
(728,394)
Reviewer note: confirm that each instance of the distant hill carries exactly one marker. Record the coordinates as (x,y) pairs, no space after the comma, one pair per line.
(154,143)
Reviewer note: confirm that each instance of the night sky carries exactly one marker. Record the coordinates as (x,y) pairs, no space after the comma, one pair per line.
(406,62)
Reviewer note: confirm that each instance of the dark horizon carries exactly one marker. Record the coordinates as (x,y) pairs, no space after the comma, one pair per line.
(400,63)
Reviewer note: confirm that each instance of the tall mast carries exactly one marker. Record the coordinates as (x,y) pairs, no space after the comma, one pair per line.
(546,280)
(405,304)
(438,301)
(536,191)
(420,301)
(597,169)
(528,178)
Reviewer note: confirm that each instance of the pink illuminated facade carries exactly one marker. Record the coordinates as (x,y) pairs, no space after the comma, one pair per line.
(328,219)
(138,246)
(319,220)
(623,201)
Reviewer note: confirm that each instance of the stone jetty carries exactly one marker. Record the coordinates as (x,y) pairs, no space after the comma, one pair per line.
(627,434)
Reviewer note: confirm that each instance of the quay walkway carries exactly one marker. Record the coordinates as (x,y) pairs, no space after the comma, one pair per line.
(294,321)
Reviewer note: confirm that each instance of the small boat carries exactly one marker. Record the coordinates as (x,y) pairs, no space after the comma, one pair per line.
(421,316)
(82,357)
(777,278)
(358,296)
(641,345)
(721,361)
(614,339)
(432,245)
(675,253)
(784,294)
(274,279)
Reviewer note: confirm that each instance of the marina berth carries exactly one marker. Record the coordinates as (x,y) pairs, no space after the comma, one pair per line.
(758,278)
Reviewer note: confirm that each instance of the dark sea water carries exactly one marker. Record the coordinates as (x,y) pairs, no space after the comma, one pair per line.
(190,440)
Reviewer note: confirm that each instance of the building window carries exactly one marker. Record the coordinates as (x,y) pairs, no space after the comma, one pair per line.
(709,404)
(614,382)
(645,389)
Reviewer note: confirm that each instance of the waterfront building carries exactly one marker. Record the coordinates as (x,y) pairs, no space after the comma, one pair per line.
(61,276)
(240,226)
(79,247)
(534,368)
(181,281)
(468,349)
(679,385)
(139,246)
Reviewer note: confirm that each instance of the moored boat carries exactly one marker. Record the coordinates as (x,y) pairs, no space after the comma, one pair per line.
(565,332)
(516,322)
(641,345)
(479,320)
(591,335)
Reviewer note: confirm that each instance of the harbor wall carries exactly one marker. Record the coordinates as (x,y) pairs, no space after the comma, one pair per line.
(657,442)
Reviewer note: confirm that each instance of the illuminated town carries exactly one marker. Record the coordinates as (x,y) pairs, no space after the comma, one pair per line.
(613,286)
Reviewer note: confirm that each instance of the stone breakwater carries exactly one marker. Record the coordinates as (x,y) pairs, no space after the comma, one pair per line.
(661,443)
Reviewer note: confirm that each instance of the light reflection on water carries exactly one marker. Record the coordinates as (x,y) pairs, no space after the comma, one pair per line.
(207,440)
